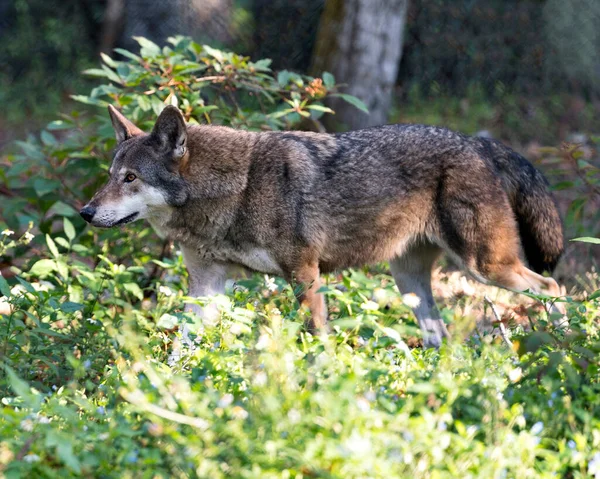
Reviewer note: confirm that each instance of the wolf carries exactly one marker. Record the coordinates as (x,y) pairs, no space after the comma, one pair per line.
(298,204)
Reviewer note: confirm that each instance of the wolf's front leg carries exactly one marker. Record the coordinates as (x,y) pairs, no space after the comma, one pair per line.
(206,279)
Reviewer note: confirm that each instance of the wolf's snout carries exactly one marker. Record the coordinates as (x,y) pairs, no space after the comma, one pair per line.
(87,213)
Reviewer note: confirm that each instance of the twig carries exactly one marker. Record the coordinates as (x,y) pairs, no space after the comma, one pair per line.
(501,327)
(25,449)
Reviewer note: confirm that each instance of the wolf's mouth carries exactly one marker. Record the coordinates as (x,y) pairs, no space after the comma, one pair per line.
(127,219)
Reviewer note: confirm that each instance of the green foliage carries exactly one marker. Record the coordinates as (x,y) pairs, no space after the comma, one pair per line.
(86,389)
(87,323)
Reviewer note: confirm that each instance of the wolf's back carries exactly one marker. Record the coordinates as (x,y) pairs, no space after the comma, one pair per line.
(540,225)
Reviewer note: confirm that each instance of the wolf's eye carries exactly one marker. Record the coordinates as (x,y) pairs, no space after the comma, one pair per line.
(130,177)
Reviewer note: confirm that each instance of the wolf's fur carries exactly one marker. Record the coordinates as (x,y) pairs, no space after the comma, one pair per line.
(297,204)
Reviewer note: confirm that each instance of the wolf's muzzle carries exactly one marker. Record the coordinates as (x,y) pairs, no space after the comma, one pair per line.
(87,213)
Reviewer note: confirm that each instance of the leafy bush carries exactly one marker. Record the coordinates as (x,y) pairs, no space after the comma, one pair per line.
(87,329)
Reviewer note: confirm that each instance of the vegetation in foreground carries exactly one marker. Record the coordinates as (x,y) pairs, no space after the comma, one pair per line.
(89,316)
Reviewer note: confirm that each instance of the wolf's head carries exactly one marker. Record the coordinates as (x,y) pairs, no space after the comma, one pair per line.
(144,175)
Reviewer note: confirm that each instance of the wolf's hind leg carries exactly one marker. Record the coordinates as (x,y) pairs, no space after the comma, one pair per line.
(412,272)
(307,282)
(515,276)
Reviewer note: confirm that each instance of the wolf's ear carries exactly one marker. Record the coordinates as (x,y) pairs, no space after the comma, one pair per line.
(124,129)
(170,129)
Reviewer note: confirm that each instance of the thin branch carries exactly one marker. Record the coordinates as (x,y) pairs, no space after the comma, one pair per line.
(501,327)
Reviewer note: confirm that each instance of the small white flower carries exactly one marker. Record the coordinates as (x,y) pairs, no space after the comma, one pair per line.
(31,458)
(369,306)
(27,237)
(594,466)
(264,341)
(363,404)
(165,290)
(358,445)
(294,416)
(515,375)
(370,396)
(236,329)
(8,232)
(27,425)
(239,412)
(43,420)
(103,436)
(226,400)
(17,290)
(260,379)
(270,283)
(411,300)
(537,428)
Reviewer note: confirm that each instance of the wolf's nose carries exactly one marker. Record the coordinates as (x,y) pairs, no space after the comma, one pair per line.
(87,213)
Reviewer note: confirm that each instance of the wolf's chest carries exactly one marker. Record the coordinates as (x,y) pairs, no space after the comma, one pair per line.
(251,257)
(210,247)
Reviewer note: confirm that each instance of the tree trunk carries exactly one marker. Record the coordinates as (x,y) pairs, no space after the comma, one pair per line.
(360,42)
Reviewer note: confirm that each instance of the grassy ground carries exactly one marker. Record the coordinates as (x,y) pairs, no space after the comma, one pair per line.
(87,391)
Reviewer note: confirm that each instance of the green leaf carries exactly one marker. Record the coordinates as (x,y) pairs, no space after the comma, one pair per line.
(109,61)
(43,186)
(52,246)
(95,72)
(128,54)
(31,150)
(89,100)
(65,453)
(328,80)
(69,229)
(320,108)
(43,267)
(149,49)
(279,114)
(167,321)
(283,77)
(62,241)
(594,295)
(134,289)
(47,138)
(587,239)
(353,101)
(60,209)
(20,387)
(71,307)
(4,287)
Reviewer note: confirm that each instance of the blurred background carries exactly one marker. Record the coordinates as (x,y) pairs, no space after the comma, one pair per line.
(523,71)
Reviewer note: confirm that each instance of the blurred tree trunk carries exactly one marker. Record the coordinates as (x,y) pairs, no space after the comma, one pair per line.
(360,42)
(204,20)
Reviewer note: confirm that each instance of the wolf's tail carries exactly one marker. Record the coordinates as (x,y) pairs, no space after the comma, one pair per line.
(540,225)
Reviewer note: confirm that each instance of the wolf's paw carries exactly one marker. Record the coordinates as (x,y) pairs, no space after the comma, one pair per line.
(434,331)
